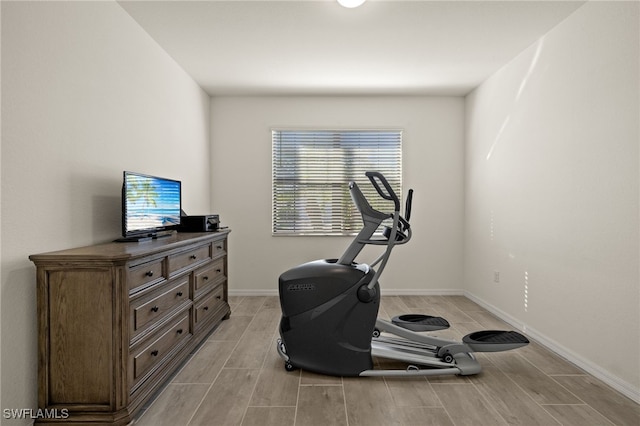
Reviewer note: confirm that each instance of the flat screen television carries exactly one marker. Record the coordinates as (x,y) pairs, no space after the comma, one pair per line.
(151,206)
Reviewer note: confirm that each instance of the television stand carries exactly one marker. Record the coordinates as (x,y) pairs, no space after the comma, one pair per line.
(117,321)
(145,237)
(163,234)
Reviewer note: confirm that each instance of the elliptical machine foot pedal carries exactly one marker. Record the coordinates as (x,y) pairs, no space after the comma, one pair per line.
(419,322)
(494,340)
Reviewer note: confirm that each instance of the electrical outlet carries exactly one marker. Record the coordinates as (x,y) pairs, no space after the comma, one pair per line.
(496,276)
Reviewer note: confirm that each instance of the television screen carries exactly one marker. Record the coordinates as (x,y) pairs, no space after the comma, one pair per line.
(150,204)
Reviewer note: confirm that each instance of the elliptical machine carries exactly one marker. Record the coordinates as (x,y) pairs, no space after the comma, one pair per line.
(329,309)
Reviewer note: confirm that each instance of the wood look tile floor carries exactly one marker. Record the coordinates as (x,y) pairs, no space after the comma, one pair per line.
(237,378)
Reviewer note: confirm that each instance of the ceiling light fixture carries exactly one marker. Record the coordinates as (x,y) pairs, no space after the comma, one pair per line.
(351,3)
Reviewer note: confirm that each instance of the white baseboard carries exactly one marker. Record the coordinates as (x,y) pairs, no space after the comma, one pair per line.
(386,292)
(253,292)
(414,292)
(615,382)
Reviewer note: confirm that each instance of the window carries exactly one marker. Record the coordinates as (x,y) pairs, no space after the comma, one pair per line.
(311,174)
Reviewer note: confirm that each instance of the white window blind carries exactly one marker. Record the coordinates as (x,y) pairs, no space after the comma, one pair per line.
(311,174)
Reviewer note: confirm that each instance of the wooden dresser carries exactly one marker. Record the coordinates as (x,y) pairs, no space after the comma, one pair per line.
(116,320)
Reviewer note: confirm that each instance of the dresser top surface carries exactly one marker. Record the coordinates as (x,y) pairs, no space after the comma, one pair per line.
(119,251)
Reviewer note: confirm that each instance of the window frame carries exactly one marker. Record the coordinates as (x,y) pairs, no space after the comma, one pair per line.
(352,150)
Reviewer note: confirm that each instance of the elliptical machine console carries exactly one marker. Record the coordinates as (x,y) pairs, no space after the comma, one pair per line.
(329,308)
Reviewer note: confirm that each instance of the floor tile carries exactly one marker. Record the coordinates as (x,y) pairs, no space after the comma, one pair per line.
(512,403)
(424,416)
(616,407)
(542,388)
(412,392)
(270,416)
(577,415)
(465,304)
(232,328)
(321,406)
(310,378)
(467,406)
(369,402)
(227,400)
(275,386)
(547,361)
(249,305)
(174,406)
(255,341)
(206,363)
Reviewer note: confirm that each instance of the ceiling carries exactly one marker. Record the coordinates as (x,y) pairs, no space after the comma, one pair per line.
(317,47)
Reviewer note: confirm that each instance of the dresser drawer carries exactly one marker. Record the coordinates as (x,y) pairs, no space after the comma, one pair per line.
(219,248)
(209,305)
(189,258)
(150,356)
(157,305)
(146,274)
(208,276)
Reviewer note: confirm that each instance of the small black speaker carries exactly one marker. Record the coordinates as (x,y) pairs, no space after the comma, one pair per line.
(206,223)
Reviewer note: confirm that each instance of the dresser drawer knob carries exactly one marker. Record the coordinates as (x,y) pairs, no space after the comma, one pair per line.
(218,270)
(206,277)
(179,294)
(155,309)
(179,331)
(219,247)
(154,352)
(206,308)
(218,297)
(193,257)
(149,273)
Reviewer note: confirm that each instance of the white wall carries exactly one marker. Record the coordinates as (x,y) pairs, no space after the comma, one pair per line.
(86,94)
(552,191)
(432,165)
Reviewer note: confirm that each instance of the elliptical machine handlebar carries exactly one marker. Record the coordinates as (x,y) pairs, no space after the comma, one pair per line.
(398,233)
(390,195)
(407,206)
